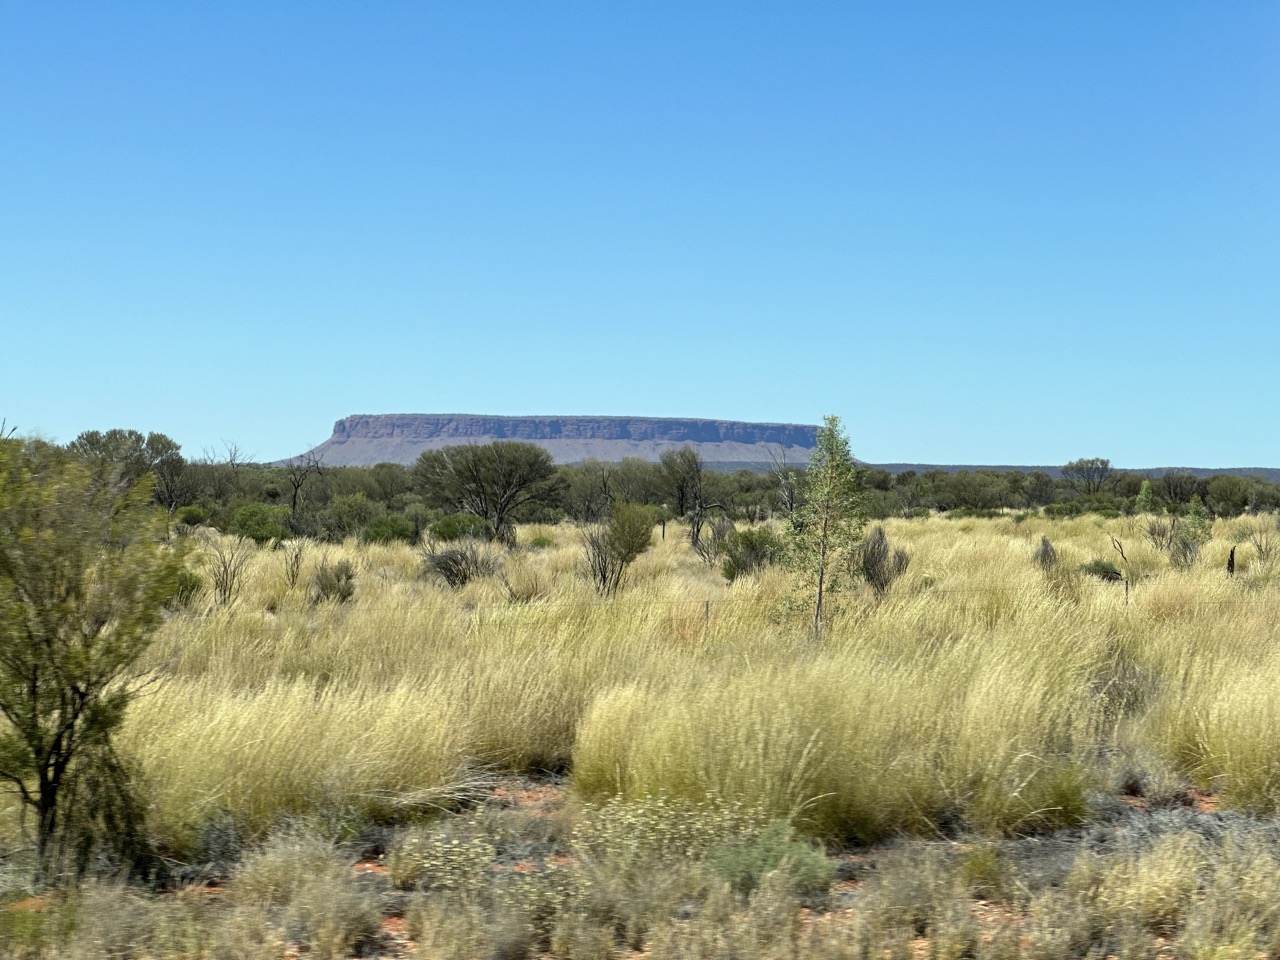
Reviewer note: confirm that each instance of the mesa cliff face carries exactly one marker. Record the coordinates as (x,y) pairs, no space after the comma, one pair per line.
(399,438)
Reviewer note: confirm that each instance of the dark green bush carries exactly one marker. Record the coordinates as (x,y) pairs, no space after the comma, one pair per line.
(388,528)
(260,522)
(460,526)
(188,587)
(192,516)
(611,547)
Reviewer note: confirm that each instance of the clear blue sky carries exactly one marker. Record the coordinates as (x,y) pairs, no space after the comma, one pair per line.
(981,233)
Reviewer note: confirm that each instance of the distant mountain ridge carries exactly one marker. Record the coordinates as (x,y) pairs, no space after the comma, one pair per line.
(366,439)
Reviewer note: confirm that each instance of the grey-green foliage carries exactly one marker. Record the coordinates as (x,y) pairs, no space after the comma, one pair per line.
(750,551)
(459,564)
(745,861)
(1046,556)
(1194,531)
(333,582)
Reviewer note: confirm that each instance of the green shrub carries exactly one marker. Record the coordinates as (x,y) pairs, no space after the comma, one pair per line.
(192,516)
(260,522)
(389,528)
(744,862)
(751,550)
(880,564)
(188,588)
(461,526)
(347,515)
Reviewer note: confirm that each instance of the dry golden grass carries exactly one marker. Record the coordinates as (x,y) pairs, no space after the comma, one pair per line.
(979,691)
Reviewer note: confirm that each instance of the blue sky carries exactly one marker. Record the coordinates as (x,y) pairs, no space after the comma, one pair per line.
(980,233)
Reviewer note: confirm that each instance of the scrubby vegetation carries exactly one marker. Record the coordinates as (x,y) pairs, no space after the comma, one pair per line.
(985,752)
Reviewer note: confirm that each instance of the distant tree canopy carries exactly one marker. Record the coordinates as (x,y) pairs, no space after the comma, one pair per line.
(491,480)
(126,456)
(1087,475)
(506,482)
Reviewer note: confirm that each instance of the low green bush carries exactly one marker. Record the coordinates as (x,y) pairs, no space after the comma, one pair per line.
(745,862)
(261,522)
(389,528)
(460,526)
(751,550)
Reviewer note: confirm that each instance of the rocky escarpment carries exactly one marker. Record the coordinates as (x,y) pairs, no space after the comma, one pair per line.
(400,438)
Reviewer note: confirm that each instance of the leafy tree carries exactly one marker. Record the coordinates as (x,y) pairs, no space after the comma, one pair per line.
(1146,501)
(83,580)
(1177,487)
(125,456)
(1087,475)
(1228,495)
(1039,489)
(827,527)
(492,480)
(587,489)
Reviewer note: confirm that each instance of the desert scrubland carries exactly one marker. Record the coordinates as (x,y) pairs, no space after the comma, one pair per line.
(994,758)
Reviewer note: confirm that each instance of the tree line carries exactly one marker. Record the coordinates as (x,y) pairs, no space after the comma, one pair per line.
(488,488)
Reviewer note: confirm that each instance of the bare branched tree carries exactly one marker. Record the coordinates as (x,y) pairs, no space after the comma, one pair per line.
(715,540)
(225,560)
(787,482)
(297,472)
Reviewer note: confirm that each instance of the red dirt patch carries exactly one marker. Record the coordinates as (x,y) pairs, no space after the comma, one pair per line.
(1202,802)
(535,798)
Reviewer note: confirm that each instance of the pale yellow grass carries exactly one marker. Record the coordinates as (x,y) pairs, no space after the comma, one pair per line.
(979,689)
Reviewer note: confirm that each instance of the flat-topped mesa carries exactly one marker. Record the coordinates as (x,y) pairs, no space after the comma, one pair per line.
(400,438)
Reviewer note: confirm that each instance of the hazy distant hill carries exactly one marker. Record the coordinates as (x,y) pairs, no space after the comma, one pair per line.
(400,438)
(366,439)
